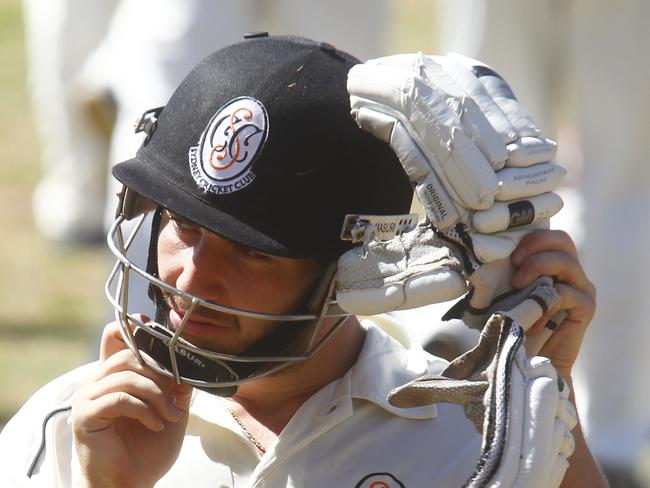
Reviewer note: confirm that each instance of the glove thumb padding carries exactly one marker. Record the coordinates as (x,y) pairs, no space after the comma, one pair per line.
(413,269)
(491,292)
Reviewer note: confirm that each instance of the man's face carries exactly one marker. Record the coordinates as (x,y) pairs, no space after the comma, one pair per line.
(221,271)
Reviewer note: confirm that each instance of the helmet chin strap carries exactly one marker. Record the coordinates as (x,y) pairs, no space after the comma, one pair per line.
(281,340)
(189,364)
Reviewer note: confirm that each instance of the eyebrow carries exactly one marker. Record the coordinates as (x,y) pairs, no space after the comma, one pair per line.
(183,220)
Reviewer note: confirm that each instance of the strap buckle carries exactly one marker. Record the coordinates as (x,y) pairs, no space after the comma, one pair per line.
(148,122)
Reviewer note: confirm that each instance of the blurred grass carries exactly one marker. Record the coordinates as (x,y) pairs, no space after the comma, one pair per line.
(51,299)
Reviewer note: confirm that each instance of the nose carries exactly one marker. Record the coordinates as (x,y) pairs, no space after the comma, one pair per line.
(203,270)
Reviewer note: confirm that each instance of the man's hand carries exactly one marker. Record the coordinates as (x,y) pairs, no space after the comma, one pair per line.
(128,421)
(553,253)
(519,405)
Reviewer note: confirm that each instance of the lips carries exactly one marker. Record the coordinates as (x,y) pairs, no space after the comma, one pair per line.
(198,325)
(202,321)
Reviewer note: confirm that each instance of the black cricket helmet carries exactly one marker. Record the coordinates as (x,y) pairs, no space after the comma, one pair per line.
(257,145)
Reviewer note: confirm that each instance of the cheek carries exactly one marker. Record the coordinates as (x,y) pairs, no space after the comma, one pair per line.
(169,267)
(276,292)
(290,290)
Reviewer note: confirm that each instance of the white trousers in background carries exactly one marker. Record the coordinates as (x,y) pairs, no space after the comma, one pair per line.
(138,51)
(583,64)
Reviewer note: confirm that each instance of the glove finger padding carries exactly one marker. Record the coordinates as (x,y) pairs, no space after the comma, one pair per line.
(519,405)
(454,125)
(494,97)
(491,292)
(413,269)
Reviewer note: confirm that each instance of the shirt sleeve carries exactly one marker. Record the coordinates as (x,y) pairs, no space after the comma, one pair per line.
(36,444)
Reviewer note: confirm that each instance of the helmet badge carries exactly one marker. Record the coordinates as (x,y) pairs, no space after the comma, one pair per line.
(222,161)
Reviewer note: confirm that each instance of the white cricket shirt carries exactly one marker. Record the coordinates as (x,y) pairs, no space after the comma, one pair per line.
(345,435)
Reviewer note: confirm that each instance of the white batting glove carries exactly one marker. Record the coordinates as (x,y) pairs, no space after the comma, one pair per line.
(479,165)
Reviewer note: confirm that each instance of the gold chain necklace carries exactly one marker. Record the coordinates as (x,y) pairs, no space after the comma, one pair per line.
(250,436)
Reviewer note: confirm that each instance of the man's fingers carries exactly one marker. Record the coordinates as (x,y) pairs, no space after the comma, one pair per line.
(126,360)
(120,361)
(553,253)
(112,340)
(100,414)
(579,305)
(158,396)
(123,388)
(539,241)
(560,265)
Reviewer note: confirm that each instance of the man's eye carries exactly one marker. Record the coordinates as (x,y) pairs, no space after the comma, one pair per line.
(180,224)
(256,255)
(252,253)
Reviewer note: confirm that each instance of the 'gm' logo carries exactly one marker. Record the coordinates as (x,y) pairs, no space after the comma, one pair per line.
(379,480)
(222,161)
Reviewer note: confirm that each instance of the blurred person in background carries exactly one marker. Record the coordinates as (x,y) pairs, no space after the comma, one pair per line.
(81,52)
(96,65)
(579,66)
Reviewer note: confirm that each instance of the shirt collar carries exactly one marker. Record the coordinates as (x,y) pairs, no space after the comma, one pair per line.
(390,358)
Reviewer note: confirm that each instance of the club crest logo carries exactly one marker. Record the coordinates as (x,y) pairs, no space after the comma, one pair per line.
(223,159)
(379,480)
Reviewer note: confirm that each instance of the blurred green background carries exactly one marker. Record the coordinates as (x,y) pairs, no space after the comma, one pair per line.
(51,298)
